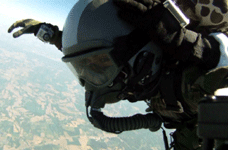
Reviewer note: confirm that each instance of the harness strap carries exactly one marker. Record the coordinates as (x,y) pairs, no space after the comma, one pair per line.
(167,91)
(170,89)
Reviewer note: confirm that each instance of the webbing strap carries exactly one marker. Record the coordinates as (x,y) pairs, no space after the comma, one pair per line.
(167,90)
(170,88)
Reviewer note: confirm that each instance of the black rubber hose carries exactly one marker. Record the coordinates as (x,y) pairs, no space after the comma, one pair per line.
(119,124)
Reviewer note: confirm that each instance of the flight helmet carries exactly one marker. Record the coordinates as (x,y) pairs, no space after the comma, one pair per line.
(98,45)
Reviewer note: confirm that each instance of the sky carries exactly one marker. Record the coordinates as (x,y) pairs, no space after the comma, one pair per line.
(50,11)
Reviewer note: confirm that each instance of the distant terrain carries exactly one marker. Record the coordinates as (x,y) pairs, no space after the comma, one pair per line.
(42,108)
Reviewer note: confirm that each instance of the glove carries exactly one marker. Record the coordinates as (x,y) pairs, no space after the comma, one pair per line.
(164,30)
(57,37)
(139,6)
(32,26)
(132,11)
(151,17)
(29,26)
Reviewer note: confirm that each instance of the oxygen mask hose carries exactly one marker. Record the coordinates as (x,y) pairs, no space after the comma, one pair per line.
(97,100)
(120,124)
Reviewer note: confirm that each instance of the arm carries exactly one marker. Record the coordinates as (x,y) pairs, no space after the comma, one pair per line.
(177,42)
(32,26)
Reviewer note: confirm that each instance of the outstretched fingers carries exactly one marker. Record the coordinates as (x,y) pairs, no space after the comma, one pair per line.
(17,24)
(19,33)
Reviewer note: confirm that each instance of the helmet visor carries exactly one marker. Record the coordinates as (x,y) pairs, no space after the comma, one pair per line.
(96,68)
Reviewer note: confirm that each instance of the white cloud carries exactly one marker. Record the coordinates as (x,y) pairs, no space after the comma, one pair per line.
(12,11)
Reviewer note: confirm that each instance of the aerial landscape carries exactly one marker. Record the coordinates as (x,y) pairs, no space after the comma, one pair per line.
(42,105)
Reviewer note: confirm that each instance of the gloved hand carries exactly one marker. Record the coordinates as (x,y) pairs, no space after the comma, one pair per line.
(133,11)
(164,30)
(139,6)
(150,16)
(29,26)
(32,26)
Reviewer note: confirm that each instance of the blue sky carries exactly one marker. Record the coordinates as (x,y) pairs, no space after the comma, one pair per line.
(52,11)
(49,11)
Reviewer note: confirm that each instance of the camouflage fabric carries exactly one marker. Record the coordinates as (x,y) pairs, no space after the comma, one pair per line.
(185,138)
(211,15)
(196,83)
(191,93)
(213,80)
(194,88)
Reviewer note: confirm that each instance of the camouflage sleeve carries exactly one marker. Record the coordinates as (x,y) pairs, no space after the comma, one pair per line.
(186,139)
(197,49)
(197,83)
(213,80)
(163,29)
(217,77)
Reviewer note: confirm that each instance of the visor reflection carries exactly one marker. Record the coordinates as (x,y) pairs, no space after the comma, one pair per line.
(96,69)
